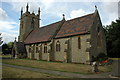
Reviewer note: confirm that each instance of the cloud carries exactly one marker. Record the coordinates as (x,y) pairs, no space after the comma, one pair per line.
(109,12)
(33,4)
(3,15)
(8,31)
(7,27)
(7,37)
(47,3)
(77,13)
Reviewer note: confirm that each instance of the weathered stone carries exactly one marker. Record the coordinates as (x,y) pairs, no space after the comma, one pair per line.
(115,68)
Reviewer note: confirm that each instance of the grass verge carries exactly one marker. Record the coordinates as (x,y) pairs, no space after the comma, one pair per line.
(9,72)
(64,67)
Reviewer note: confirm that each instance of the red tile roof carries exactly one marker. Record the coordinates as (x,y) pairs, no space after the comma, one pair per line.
(76,26)
(42,34)
(80,25)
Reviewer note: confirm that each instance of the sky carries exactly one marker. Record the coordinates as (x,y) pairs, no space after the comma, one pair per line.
(52,11)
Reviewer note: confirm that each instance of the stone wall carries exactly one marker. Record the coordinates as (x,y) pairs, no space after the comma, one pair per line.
(97,40)
(80,55)
(60,55)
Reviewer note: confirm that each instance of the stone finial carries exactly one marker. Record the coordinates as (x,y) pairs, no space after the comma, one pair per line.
(21,11)
(95,7)
(63,17)
(27,7)
(39,11)
(96,11)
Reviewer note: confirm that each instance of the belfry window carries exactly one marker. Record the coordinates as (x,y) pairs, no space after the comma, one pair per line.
(58,46)
(45,48)
(32,22)
(79,43)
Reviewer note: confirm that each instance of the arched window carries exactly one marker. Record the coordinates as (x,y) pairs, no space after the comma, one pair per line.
(30,49)
(36,48)
(40,48)
(79,43)
(58,46)
(45,48)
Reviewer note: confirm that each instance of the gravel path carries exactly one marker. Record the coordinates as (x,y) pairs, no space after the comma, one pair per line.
(68,74)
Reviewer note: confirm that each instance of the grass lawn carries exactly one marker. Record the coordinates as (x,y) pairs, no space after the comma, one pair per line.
(8,72)
(5,56)
(66,67)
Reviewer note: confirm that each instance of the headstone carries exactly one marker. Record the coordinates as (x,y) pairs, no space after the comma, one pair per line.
(115,68)
(95,66)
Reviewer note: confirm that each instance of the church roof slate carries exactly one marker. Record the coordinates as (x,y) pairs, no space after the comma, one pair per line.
(80,25)
(43,34)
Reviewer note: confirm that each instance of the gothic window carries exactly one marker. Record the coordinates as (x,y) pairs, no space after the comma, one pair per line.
(40,48)
(30,49)
(79,43)
(36,48)
(58,46)
(45,48)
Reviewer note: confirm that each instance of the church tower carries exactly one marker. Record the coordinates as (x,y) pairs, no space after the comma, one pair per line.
(28,22)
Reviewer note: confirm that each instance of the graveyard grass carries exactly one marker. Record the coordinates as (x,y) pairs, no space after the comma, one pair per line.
(57,66)
(8,72)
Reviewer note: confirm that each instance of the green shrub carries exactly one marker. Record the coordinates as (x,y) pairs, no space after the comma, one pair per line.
(101,57)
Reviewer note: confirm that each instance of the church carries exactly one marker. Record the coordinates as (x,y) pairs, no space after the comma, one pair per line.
(78,40)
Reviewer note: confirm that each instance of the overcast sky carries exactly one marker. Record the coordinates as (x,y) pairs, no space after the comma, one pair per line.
(51,11)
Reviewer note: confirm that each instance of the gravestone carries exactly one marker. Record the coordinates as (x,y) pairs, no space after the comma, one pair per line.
(115,68)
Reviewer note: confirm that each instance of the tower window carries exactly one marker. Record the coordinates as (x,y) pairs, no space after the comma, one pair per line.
(79,43)
(58,46)
(32,22)
(45,48)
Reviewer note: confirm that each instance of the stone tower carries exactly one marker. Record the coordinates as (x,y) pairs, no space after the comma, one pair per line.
(28,22)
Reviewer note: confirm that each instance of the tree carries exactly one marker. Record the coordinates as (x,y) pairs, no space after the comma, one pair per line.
(1,39)
(113,39)
(7,48)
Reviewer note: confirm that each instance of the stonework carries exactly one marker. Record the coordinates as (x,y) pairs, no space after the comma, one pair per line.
(76,40)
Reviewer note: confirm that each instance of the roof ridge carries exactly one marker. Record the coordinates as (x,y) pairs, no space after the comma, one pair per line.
(57,30)
(49,24)
(80,17)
